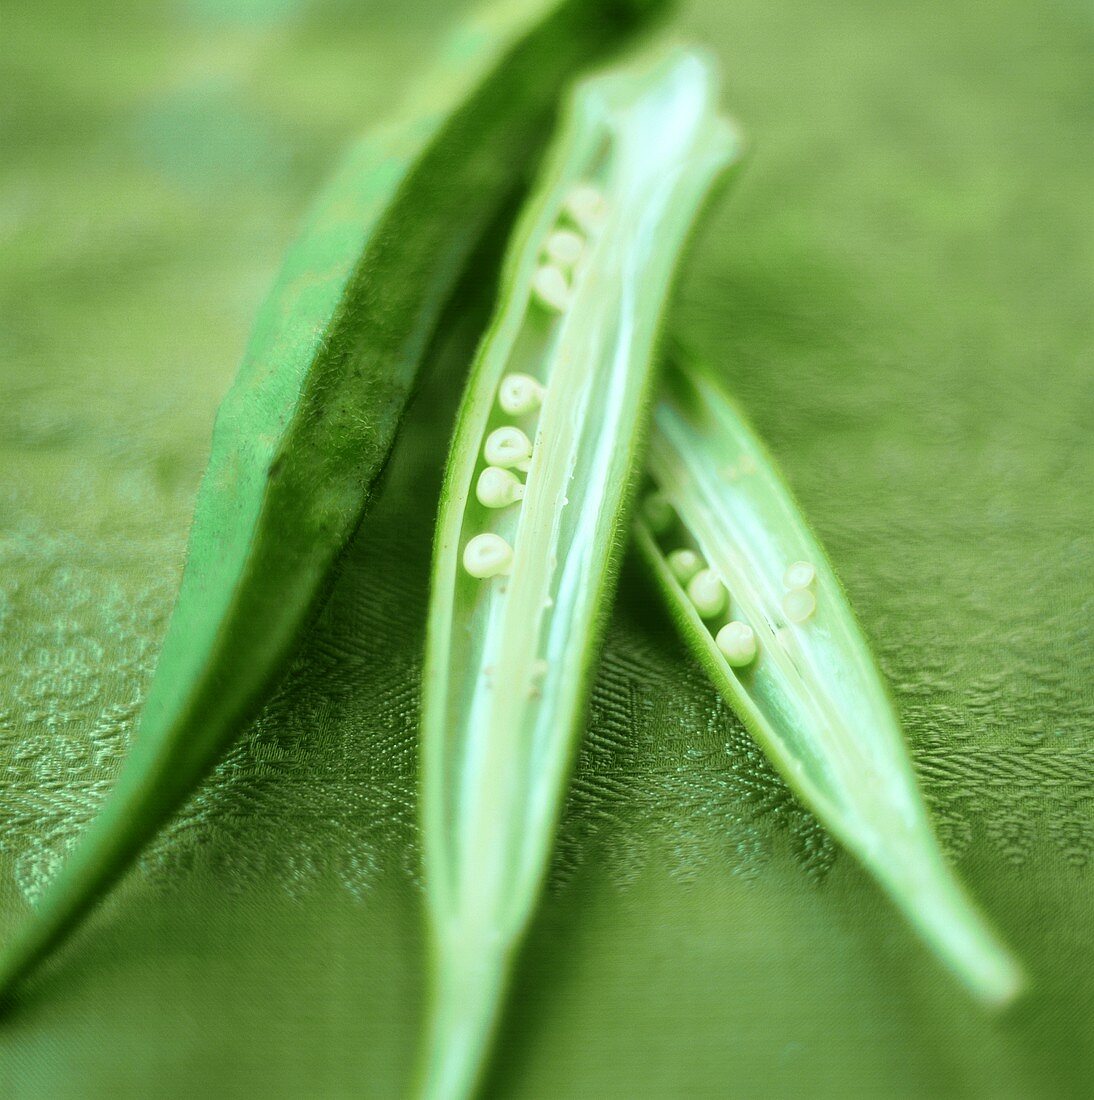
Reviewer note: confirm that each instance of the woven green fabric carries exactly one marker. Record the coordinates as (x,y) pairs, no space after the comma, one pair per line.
(899,289)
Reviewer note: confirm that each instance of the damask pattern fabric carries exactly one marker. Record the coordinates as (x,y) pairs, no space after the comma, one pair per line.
(898,290)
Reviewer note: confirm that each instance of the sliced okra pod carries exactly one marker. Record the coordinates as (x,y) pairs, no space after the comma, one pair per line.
(784,649)
(532,513)
(304,433)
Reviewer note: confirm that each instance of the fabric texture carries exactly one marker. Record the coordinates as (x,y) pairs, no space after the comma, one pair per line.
(898,289)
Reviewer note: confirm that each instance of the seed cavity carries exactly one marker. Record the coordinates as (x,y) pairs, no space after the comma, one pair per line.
(487,555)
(684,564)
(564,247)
(520,394)
(550,288)
(707,593)
(658,512)
(585,204)
(498,488)
(737,641)
(801,574)
(508,447)
(799,604)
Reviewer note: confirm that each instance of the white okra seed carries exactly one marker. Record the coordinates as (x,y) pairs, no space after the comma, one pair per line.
(487,555)
(507,447)
(585,204)
(564,247)
(519,394)
(658,512)
(737,641)
(707,593)
(550,287)
(799,575)
(684,564)
(799,604)
(498,488)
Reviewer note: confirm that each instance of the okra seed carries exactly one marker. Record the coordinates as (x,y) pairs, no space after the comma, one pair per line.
(564,247)
(498,488)
(658,513)
(487,555)
(707,593)
(799,575)
(550,288)
(737,641)
(684,564)
(507,447)
(799,604)
(520,394)
(585,204)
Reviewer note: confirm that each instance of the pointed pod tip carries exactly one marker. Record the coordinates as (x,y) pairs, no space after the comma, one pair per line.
(966,942)
(1006,984)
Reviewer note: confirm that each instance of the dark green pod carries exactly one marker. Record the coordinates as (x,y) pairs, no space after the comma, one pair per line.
(304,433)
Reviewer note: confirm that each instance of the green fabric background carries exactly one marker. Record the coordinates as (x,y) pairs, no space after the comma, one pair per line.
(899,288)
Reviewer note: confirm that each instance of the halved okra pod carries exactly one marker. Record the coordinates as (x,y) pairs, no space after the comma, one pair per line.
(755,596)
(532,513)
(304,433)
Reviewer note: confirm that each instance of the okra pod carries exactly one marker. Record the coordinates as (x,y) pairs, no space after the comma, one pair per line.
(756,598)
(532,517)
(304,433)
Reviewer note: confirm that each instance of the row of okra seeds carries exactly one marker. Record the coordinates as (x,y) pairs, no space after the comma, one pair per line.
(507,450)
(735,639)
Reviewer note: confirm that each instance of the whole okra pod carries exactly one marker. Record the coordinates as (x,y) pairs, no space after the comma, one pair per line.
(754,595)
(304,433)
(532,517)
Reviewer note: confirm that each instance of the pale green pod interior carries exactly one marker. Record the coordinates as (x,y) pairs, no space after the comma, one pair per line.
(508,656)
(813,696)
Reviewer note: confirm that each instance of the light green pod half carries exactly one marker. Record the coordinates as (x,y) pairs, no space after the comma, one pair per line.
(811,695)
(520,587)
(304,433)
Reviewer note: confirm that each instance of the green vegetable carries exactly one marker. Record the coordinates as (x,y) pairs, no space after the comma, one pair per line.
(523,568)
(755,596)
(303,435)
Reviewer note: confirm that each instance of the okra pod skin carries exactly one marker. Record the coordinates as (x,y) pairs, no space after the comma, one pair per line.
(533,515)
(784,649)
(304,432)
